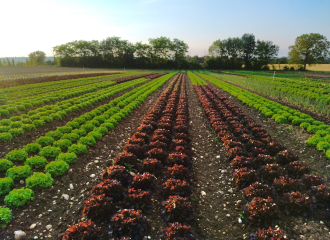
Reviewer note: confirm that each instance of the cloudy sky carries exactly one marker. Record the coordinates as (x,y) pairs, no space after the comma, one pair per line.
(27,26)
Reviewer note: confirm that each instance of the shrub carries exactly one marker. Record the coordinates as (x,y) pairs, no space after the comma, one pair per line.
(36,162)
(177,231)
(64,129)
(38,123)
(17,155)
(5,137)
(5,164)
(19,197)
(98,207)
(19,172)
(69,157)
(57,168)
(78,149)
(5,217)
(28,127)
(45,141)
(131,223)
(16,131)
(82,230)
(6,185)
(95,134)
(39,181)
(50,152)
(63,144)
(88,140)
(56,135)
(32,148)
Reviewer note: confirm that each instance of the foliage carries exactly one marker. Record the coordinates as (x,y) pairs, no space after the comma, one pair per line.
(6,185)
(57,168)
(5,217)
(50,152)
(177,231)
(5,164)
(39,181)
(19,172)
(19,197)
(36,161)
(69,157)
(178,209)
(78,149)
(98,207)
(83,230)
(5,137)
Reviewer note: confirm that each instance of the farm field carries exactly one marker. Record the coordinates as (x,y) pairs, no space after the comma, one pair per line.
(165,154)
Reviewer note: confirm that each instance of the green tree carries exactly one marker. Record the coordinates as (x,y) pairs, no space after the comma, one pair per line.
(13,62)
(249,45)
(8,63)
(38,57)
(308,49)
(0,63)
(265,51)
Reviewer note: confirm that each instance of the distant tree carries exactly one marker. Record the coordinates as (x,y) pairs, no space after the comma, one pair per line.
(265,51)
(13,62)
(26,62)
(20,64)
(38,57)
(8,63)
(0,63)
(249,45)
(309,48)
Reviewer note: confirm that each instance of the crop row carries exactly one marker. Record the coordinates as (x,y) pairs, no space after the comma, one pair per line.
(281,114)
(195,79)
(49,78)
(310,94)
(5,97)
(63,145)
(145,75)
(17,125)
(148,151)
(274,180)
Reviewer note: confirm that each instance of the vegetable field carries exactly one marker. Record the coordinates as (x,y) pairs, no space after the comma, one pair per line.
(164,155)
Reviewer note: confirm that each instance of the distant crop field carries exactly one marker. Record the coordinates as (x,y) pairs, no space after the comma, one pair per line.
(314,67)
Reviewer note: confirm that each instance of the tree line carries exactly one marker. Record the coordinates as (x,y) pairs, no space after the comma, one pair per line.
(163,53)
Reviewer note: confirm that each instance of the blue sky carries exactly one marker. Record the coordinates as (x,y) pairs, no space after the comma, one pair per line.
(33,25)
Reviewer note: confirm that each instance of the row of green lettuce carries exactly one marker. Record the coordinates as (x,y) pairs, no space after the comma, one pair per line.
(73,140)
(195,79)
(42,99)
(280,114)
(17,125)
(4,98)
(312,95)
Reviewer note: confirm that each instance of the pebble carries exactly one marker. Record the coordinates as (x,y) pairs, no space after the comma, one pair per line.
(218,156)
(48,227)
(239,220)
(71,186)
(203,193)
(228,215)
(92,175)
(224,171)
(96,161)
(19,234)
(21,182)
(132,174)
(230,190)
(65,196)
(33,226)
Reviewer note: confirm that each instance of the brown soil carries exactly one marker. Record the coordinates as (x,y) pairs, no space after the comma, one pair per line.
(49,207)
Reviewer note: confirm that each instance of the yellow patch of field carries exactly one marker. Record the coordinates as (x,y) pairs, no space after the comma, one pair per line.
(313,67)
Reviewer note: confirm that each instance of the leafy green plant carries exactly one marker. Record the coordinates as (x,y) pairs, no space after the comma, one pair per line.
(54,134)
(36,161)
(102,130)
(50,152)
(69,157)
(107,125)
(4,129)
(19,197)
(5,137)
(6,185)
(78,149)
(79,132)
(72,137)
(63,144)
(328,154)
(16,124)
(38,123)
(28,127)
(313,141)
(39,181)
(32,148)
(88,140)
(17,155)
(57,168)
(5,122)
(19,172)
(47,119)
(5,164)
(55,116)
(45,141)
(64,129)
(304,125)
(87,127)
(95,134)
(16,131)
(72,124)
(5,217)
(323,146)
